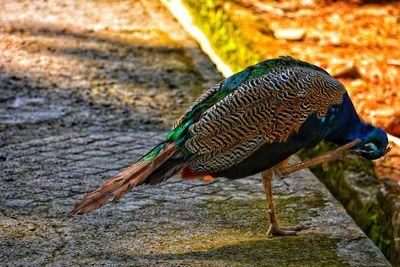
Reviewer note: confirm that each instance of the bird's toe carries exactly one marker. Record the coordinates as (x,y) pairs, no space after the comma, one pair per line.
(275,230)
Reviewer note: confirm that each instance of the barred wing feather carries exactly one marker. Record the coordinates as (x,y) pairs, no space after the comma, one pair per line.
(262,110)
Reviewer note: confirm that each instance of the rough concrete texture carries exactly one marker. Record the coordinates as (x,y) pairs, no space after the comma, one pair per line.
(82,96)
(128,54)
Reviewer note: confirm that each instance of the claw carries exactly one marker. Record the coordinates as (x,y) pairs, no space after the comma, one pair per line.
(279,172)
(275,230)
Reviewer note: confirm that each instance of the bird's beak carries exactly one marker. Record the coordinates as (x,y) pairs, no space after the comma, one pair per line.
(365,149)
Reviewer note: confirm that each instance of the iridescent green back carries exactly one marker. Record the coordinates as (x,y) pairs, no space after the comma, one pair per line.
(264,103)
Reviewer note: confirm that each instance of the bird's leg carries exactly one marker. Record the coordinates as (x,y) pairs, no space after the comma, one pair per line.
(283,169)
(274,229)
(325,159)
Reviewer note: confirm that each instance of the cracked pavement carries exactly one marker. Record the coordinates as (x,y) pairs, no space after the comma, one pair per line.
(88,88)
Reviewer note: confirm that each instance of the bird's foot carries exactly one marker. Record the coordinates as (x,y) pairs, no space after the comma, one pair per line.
(275,230)
(283,169)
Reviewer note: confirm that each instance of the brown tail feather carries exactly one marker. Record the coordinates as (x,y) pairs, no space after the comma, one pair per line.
(130,177)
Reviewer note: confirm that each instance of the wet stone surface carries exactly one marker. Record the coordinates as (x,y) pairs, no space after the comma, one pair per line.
(65,129)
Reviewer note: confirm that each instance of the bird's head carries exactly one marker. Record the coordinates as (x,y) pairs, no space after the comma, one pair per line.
(374,143)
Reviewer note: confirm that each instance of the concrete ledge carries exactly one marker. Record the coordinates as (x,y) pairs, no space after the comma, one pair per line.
(57,145)
(240,34)
(194,223)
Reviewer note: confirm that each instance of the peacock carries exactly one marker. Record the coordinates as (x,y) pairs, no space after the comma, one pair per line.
(250,123)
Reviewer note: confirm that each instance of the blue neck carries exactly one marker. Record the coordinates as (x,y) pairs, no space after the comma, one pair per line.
(346,125)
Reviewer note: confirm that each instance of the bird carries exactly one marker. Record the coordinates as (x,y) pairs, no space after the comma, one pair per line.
(250,123)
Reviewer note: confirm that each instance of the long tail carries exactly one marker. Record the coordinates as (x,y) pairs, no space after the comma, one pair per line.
(158,165)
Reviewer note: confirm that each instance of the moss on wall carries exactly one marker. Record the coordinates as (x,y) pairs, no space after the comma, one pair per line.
(225,34)
(371,202)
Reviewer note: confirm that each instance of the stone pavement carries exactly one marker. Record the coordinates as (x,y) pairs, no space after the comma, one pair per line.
(87,88)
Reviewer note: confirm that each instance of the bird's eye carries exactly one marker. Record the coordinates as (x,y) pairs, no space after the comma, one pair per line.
(370,147)
(377,143)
